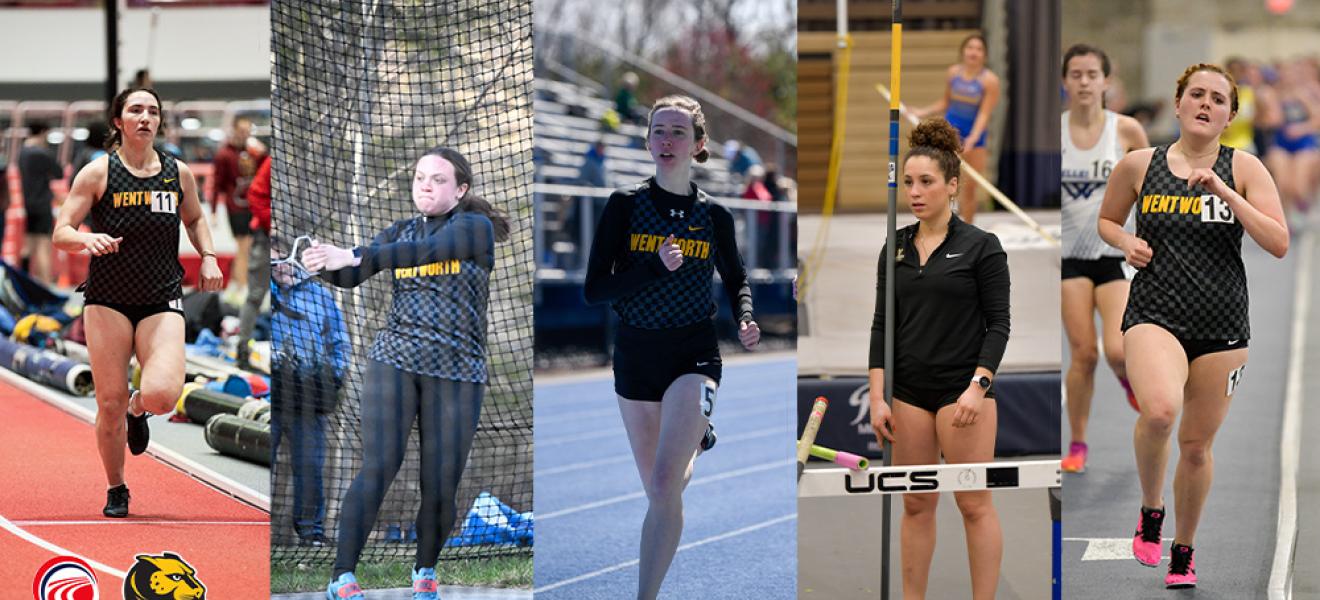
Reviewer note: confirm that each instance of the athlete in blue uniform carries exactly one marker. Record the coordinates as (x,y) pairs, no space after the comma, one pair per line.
(653,258)
(1294,158)
(969,99)
(136,198)
(429,362)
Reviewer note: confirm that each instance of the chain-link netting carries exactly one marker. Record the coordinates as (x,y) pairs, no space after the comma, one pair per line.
(361,91)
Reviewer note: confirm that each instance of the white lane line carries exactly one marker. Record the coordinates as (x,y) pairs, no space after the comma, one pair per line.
(18,531)
(627,458)
(139,522)
(192,468)
(782,464)
(1108,548)
(688,546)
(1280,586)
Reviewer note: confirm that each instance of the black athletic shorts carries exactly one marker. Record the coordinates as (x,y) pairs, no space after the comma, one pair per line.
(647,361)
(240,222)
(137,312)
(933,399)
(1100,271)
(1198,348)
(40,220)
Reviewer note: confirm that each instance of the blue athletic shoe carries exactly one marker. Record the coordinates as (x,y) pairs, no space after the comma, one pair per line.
(344,588)
(424,585)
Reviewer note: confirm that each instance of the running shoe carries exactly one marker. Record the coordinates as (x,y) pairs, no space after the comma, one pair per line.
(1132,398)
(708,440)
(116,502)
(424,585)
(1076,459)
(344,588)
(1146,542)
(1182,568)
(139,435)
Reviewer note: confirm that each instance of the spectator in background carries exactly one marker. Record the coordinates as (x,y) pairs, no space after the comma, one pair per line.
(304,317)
(141,79)
(756,189)
(259,261)
(93,147)
(37,167)
(772,183)
(765,234)
(593,171)
(740,157)
(625,101)
(235,164)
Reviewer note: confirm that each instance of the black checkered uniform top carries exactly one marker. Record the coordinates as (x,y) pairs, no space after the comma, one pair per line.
(441,272)
(625,269)
(145,212)
(1195,285)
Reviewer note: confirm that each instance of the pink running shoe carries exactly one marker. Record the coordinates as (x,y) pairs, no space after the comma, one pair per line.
(1132,398)
(1182,569)
(1075,462)
(1146,542)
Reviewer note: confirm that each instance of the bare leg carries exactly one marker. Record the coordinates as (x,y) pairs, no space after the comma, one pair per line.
(1158,370)
(985,539)
(159,340)
(681,426)
(1206,406)
(975,158)
(109,346)
(916,445)
(1079,323)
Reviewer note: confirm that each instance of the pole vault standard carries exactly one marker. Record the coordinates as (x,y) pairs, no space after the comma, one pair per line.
(891,239)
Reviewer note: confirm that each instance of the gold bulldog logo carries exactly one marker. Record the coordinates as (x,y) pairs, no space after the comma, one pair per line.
(164,577)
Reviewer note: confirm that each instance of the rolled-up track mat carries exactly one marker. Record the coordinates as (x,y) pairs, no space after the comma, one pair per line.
(253,409)
(47,367)
(838,457)
(200,404)
(76,352)
(242,438)
(809,433)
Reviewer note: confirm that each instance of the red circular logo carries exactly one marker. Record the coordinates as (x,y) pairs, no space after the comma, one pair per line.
(65,578)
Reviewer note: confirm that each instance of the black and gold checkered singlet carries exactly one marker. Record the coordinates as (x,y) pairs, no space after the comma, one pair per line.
(145,212)
(1195,285)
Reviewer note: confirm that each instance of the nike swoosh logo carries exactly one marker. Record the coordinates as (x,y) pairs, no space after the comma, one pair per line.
(954,255)
(1233,342)
(170,179)
(702,364)
(691,228)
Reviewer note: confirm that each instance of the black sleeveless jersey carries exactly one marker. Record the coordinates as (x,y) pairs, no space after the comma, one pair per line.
(145,212)
(1195,285)
(684,296)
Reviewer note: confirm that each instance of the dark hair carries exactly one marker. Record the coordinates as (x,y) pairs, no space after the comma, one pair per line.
(37,127)
(470,201)
(698,119)
(97,132)
(937,140)
(1083,50)
(1197,68)
(116,136)
(968,40)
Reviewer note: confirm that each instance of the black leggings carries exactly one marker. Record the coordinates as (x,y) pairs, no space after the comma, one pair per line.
(447,413)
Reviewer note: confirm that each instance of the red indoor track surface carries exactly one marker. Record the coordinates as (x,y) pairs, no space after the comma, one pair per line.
(54,489)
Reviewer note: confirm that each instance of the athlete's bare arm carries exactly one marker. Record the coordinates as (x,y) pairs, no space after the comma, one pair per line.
(1131,135)
(1257,204)
(194,222)
(87,188)
(1120,195)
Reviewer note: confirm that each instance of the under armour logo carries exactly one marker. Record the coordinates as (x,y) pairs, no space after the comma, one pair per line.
(675,213)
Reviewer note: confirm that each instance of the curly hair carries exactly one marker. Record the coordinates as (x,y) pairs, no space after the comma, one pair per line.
(937,140)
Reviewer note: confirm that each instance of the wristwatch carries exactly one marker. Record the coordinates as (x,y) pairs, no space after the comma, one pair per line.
(982,381)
